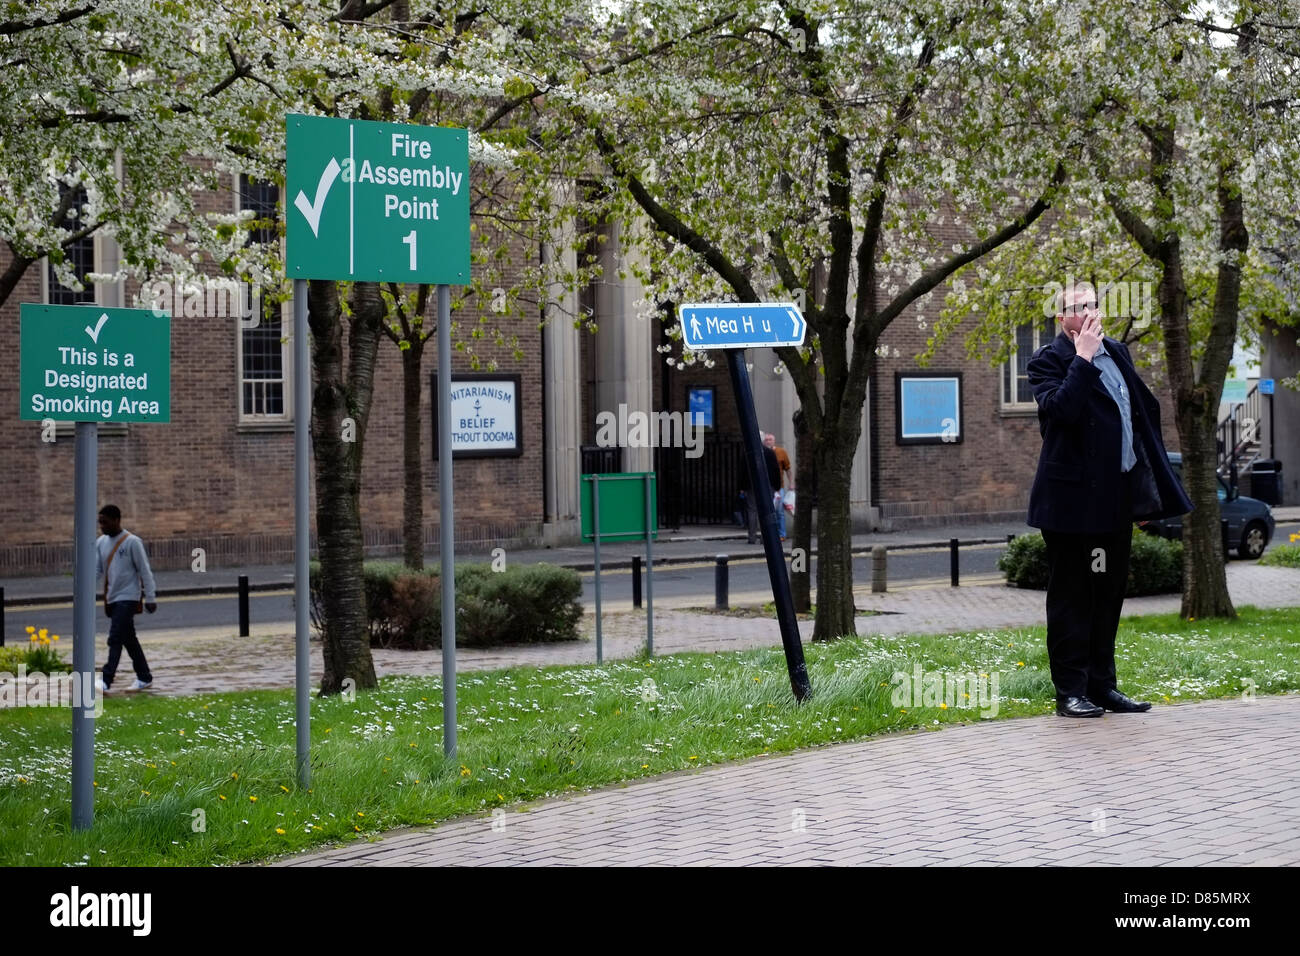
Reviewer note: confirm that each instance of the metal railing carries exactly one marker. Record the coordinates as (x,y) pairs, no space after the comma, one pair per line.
(1239,444)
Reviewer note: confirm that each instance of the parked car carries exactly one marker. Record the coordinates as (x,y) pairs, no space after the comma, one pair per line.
(1250,521)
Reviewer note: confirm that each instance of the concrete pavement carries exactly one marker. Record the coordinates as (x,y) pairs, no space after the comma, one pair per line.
(1205,784)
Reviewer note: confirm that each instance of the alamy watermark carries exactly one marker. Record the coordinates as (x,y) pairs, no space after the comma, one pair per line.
(944,689)
(637,429)
(1115,300)
(50,690)
(204,297)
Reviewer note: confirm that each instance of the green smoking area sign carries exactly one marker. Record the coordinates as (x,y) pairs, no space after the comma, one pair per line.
(81,363)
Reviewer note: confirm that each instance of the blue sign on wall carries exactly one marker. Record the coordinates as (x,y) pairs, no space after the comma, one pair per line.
(927,407)
(700,400)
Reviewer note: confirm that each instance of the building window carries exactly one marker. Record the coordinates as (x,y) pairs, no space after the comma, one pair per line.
(1016,392)
(262,371)
(264,345)
(80,255)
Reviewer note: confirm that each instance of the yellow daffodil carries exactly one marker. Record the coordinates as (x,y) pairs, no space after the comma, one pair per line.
(279,830)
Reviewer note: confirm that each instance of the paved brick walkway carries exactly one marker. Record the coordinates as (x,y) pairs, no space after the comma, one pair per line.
(210,659)
(1213,783)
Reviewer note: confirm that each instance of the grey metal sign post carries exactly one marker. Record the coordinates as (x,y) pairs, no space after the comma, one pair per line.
(348,221)
(86,469)
(446,526)
(301,531)
(87,364)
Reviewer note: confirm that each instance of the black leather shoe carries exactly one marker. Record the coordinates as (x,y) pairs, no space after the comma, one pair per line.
(1114,700)
(1077,707)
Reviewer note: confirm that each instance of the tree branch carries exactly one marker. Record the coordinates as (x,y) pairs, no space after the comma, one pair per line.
(672,225)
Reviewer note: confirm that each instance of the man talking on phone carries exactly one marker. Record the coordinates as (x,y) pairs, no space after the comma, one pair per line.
(1103,466)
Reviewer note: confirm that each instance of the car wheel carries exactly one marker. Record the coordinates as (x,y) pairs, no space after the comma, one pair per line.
(1253,541)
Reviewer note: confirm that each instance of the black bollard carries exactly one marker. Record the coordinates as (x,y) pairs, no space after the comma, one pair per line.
(1223,530)
(720,583)
(952,555)
(2,617)
(243,605)
(636,580)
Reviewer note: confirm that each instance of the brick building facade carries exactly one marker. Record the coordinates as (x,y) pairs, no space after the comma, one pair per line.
(220,475)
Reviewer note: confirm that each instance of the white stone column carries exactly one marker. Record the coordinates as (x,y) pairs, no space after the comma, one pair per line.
(563,377)
(637,351)
(623,347)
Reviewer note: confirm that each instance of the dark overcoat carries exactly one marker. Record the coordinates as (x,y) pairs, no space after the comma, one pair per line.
(1077,486)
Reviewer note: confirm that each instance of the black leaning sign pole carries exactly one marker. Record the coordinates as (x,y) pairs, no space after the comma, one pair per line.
(735,327)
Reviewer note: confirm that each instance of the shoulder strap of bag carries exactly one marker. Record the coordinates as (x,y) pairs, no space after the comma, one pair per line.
(109,563)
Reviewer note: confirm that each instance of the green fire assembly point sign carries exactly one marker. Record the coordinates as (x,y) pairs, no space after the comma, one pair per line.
(80,363)
(376,202)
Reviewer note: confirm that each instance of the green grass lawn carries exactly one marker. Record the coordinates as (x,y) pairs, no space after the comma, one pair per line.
(527,733)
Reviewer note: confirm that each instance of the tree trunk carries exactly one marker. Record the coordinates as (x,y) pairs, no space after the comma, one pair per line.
(337,446)
(1205,584)
(13,273)
(1205,581)
(800,574)
(412,470)
(1196,398)
(835,604)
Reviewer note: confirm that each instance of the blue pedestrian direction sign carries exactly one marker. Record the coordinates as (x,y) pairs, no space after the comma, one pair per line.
(741,325)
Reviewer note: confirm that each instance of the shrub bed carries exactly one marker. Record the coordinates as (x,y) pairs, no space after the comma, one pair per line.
(1155,564)
(524,604)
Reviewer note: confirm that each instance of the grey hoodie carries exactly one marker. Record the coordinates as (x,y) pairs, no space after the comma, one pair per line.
(129,568)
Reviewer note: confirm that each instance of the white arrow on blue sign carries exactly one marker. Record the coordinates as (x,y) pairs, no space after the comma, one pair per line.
(741,325)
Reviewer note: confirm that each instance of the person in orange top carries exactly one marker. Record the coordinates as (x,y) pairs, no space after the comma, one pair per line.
(787,479)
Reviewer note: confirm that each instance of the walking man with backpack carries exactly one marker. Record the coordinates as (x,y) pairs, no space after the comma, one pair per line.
(128,589)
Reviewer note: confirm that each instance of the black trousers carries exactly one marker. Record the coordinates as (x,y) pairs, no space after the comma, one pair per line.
(1088,576)
(121,634)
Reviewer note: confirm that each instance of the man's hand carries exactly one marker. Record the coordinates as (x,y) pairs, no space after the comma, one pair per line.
(151,607)
(1088,339)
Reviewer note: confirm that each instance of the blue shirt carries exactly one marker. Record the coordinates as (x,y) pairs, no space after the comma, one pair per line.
(1113,379)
